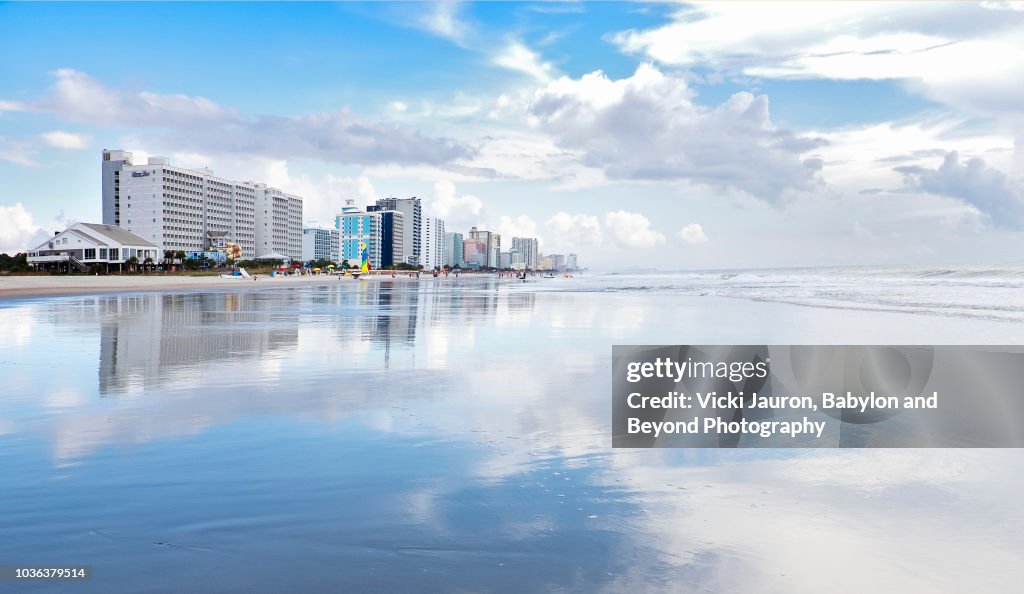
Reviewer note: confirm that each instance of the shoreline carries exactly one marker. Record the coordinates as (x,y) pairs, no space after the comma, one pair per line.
(20,287)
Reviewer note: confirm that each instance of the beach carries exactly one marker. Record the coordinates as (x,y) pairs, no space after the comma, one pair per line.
(450,436)
(38,286)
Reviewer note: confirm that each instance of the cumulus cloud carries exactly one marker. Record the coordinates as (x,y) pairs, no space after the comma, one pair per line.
(19,232)
(987,189)
(196,123)
(324,196)
(693,234)
(633,230)
(459,211)
(571,230)
(647,127)
(520,226)
(67,140)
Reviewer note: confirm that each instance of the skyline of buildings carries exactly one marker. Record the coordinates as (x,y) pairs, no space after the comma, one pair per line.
(194,211)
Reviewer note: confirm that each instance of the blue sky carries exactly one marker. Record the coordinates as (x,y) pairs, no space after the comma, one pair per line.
(681,135)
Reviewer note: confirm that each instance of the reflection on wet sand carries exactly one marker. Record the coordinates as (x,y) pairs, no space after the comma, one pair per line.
(437,437)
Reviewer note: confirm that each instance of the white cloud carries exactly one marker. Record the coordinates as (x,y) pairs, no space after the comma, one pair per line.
(459,212)
(67,140)
(443,20)
(16,228)
(633,230)
(572,230)
(19,232)
(646,127)
(520,226)
(518,57)
(693,234)
(13,106)
(955,52)
(987,189)
(196,123)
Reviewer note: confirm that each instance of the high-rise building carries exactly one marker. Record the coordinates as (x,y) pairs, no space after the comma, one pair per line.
(321,244)
(492,246)
(505,260)
(391,238)
(192,210)
(454,250)
(528,250)
(278,223)
(571,262)
(357,228)
(412,211)
(557,261)
(432,243)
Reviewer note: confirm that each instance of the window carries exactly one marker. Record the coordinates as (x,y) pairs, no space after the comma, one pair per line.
(103,253)
(90,254)
(114,254)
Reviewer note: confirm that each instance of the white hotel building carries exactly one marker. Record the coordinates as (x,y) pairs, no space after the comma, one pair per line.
(432,243)
(192,210)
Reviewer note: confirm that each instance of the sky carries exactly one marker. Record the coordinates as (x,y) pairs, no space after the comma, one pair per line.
(656,135)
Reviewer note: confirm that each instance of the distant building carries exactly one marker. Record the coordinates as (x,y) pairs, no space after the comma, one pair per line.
(571,262)
(474,252)
(492,245)
(454,250)
(83,245)
(545,264)
(504,260)
(412,213)
(529,251)
(516,260)
(557,261)
(391,238)
(321,244)
(278,222)
(432,243)
(357,228)
(192,210)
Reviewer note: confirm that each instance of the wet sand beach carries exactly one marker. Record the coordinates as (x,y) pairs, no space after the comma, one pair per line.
(12,287)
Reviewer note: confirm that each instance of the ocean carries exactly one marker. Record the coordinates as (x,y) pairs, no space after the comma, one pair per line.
(454,436)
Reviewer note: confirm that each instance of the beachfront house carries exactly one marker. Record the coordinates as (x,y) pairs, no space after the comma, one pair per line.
(82,245)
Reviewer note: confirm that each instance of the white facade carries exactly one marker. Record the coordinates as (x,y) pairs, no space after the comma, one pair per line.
(192,210)
(432,243)
(278,223)
(84,244)
(529,254)
(321,244)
